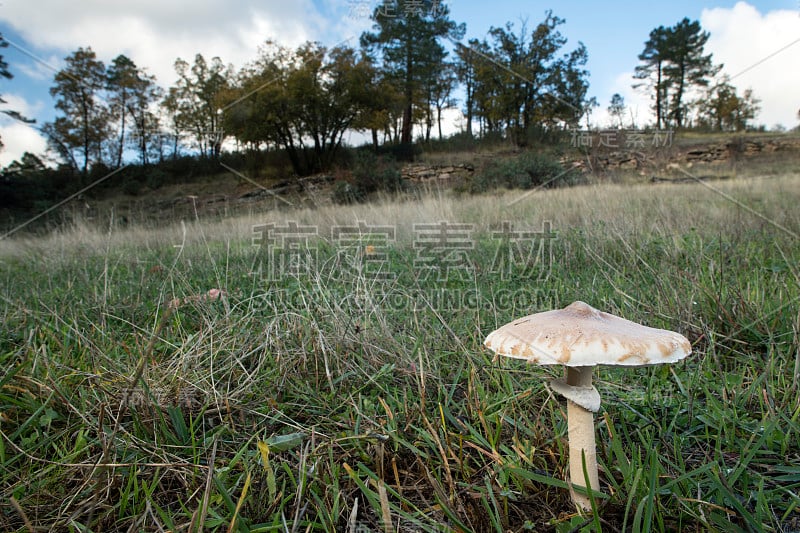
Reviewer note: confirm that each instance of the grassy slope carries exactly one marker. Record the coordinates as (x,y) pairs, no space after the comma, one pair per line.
(334,401)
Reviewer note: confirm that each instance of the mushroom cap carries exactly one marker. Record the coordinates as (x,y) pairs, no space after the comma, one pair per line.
(580,335)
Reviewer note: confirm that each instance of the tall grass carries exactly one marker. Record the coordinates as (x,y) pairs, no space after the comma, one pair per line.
(327,398)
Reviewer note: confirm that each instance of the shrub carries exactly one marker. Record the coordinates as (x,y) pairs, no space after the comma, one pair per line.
(400,152)
(458,142)
(154,177)
(131,186)
(525,171)
(346,193)
(372,173)
(369,173)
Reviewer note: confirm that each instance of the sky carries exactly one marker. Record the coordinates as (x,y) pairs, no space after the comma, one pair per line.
(758,43)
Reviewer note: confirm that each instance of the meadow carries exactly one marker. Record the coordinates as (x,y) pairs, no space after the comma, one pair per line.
(334,378)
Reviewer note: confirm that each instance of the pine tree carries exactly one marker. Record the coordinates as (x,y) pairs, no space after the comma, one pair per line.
(654,59)
(688,67)
(4,72)
(673,63)
(465,72)
(407,35)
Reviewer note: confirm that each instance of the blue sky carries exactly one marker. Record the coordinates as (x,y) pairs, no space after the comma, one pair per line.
(154,33)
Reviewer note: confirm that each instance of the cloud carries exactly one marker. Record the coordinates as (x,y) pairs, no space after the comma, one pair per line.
(21,105)
(17,139)
(153,33)
(742,39)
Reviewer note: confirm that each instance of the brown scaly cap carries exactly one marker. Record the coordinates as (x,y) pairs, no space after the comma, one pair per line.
(580,335)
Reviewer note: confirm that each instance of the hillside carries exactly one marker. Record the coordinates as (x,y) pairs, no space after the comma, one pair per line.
(230,191)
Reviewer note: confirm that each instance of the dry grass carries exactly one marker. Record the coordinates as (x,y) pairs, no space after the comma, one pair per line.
(657,209)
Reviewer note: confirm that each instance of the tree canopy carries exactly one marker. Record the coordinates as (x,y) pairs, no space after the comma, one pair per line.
(407,37)
(672,63)
(194,102)
(721,108)
(78,134)
(523,79)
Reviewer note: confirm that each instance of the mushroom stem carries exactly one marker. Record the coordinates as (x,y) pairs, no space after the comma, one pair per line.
(581,439)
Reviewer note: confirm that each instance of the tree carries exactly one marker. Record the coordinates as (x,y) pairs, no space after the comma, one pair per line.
(465,73)
(194,102)
(723,109)
(522,81)
(24,181)
(407,36)
(687,67)
(171,107)
(487,86)
(255,104)
(27,165)
(440,95)
(131,95)
(569,100)
(122,74)
(145,120)
(302,101)
(4,72)
(78,135)
(617,108)
(651,71)
(380,101)
(673,63)
(327,89)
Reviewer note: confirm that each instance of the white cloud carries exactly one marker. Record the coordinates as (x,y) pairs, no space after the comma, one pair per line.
(154,32)
(741,38)
(19,104)
(17,139)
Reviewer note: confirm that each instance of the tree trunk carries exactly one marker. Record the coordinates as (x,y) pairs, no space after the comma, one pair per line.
(469,105)
(658,96)
(428,124)
(86,141)
(679,97)
(405,134)
(121,132)
(439,119)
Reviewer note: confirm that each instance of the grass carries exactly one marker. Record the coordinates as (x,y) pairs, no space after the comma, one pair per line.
(330,398)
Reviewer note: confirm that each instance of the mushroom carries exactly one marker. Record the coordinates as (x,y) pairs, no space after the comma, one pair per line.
(580,337)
